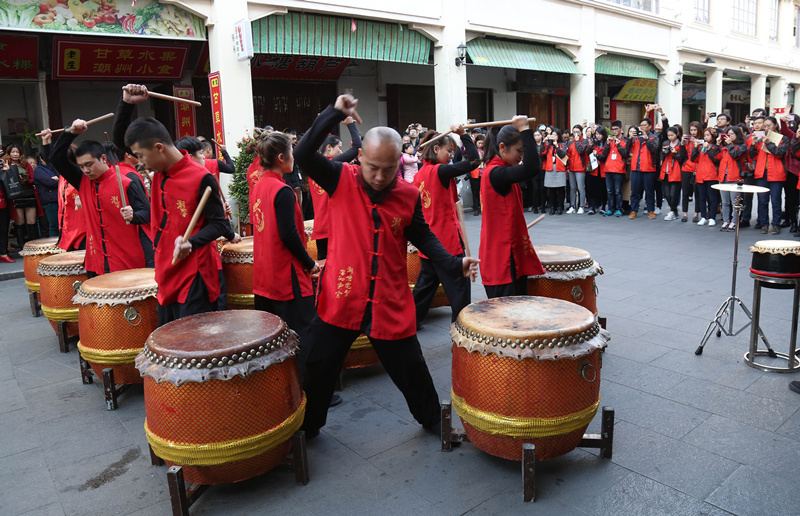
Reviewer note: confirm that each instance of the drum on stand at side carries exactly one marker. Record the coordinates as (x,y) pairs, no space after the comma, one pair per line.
(569,275)
(237,267)
(34,252)
(60,275)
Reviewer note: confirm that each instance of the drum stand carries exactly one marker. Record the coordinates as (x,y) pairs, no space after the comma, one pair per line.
(183,496)
(36,306)
(604,441)
(64,340)
(724,315)
(110,388)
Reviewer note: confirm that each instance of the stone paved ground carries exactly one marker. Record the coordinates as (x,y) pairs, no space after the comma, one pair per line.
(694,435)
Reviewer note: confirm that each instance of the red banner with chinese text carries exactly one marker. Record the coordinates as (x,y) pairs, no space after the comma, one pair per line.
(19,57)
(185,122)
(100,60)
(216,108)
(273,66)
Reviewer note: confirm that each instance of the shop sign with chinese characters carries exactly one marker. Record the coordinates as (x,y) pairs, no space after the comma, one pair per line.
(216,107)
(276,66)
(18,57)
(184,113)
(101,60)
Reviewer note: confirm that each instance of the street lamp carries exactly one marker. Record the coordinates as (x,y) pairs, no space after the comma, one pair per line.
(462,55)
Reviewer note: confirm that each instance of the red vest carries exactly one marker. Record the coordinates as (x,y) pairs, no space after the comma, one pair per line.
(670,168)
(615,163)
(212,165)
(344,287)
(71,219)
(504,233)
(272,261)
(107,234)
(125,169)
(773,165)
(175,195)
(706,168)
(319,200)
(438,208)
(729,168)
(551,158)
(689,165)
(601,167)
(576,162)
(641,157)
(253,172)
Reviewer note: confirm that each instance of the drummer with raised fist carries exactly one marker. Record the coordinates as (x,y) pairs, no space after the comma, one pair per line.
(364,285)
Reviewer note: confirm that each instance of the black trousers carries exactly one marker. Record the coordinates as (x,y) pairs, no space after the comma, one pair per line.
(401,358)
(539,192)
(595,191)
(430,275)
(672,191)
(792,197)
(556,196)
(475,185)
(196,303)
(659,192)
(322,248)
(298,314)
(687,188)
(515,287)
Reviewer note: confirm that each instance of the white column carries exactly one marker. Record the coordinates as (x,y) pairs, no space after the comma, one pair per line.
(235,80)
(670,95)
(758,92)
(450,81)
(582,86)
(714,90)
(777,92)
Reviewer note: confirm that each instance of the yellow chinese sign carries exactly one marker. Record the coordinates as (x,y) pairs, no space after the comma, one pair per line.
(638,90)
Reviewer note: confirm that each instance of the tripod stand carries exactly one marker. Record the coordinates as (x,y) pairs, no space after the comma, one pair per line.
(723,319)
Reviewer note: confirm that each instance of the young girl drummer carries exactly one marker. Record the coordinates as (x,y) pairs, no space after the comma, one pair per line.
(506,252)
(436,183)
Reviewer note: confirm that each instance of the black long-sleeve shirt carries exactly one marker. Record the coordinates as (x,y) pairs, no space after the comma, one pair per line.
(288,231)
(351,153)
(503,177)
(326,174)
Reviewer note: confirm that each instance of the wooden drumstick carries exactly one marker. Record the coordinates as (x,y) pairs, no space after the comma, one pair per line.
(90,122)
(357,118)
(460,212)
(437,137)
(169,97)
(495,123)
(121,190)
(195,217)
(538,220)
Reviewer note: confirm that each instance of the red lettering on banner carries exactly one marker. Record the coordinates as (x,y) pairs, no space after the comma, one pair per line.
(185,124)
(19,57)
(216,108)
(84,59)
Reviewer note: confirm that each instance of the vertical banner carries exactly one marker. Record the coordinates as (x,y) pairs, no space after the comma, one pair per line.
(216,108)
(185,124)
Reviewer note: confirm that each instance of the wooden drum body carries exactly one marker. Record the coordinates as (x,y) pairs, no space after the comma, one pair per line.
(237,266)
(117,313)
(777,259)
(222,394)
(414,266)
(58,274)
(34,252)
(570,275)
(311,245)
(526,370)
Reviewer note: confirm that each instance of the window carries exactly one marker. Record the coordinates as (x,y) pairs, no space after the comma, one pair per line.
(644,5)
(701,11)
(744,16)
(774,11)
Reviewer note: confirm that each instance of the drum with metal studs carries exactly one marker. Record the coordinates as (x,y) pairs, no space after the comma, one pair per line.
(237,266)
(570,275)
(526,370)
(60,275)
(222,394)
(414,266)
(776,258)
(34,252)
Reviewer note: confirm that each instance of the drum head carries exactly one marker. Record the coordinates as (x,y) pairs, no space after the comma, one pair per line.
(118,287)
(782,247)
(62,264)
(41,246)
(238,253)
(559,258)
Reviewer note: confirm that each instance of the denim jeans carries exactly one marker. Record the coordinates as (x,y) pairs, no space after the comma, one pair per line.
(614,190)
(643,182)
(774,196)
(708,201)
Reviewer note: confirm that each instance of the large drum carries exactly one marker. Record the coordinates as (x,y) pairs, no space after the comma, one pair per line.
(33,252)
(311,245)
(777,259)
(58,274)
(526,370)
(117,313)
(569,275)
(414,266)
(222,394)
(237,266)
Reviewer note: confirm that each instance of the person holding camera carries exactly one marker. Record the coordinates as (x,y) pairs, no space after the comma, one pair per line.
(673,156)
(732,155)
(644,157)
(769,172)
(705,155)
(555,165)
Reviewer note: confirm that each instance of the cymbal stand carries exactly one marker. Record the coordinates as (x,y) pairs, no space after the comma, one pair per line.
(723,319)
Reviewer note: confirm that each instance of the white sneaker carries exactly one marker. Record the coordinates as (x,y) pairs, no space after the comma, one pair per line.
(702,222)
(657,211)
(580,211)
(671,216)
(571,210)
(712,222)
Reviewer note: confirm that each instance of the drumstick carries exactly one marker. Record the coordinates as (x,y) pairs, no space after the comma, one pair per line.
(169,97)
(474,126)
(438,136)
(538,220)
(460,213)
(90,122)
(106,135)
(121,190)
(197,212)
(357,118)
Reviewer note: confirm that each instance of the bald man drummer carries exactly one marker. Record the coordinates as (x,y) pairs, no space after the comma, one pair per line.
(364,286)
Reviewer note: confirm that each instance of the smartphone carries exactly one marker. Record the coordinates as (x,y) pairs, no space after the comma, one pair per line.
(712,115)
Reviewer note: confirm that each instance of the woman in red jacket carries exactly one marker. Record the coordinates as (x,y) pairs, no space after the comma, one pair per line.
(733,151)
(688,183)
(707,157)
(576,164)
(673,156)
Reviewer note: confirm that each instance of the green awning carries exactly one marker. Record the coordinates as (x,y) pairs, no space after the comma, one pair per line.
(612,64)
(518,55)
(329,36)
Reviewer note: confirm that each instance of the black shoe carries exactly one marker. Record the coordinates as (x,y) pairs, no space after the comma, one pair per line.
(336,400)
(535,210)
(793,228)
(552,211)
(757,226)
(33,232)
(476,212)
(19,232)
(310,434)
(744,224)
(795,386)
(435,429)
(785,224)
(560,211)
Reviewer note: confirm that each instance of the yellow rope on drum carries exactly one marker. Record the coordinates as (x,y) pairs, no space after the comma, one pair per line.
(214,454)
(241,299)
(33,287)
(60,314)
(108,356)
(523,427)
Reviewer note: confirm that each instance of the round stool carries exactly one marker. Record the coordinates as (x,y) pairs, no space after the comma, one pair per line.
(782,282)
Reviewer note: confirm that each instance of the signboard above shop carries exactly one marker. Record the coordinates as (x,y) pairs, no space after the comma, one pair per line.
(142,18)
(102,59)
(638,90)
(19,57)
(276,66)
